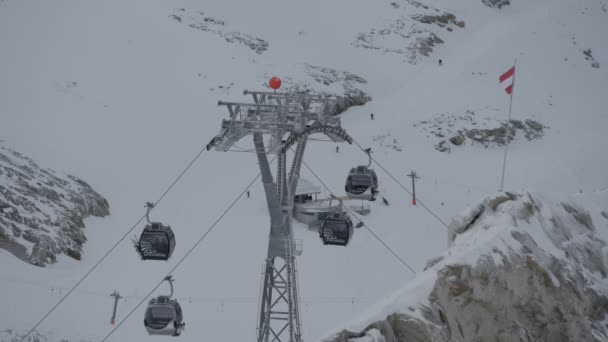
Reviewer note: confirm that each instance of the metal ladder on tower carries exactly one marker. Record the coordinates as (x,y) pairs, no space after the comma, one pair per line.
(282,189)
(293,310)
(294,172)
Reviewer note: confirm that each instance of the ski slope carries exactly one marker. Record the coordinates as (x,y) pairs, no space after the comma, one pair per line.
(120,95)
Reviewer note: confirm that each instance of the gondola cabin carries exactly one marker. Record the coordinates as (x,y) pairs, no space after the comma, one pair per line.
(337,229)
(164,317)
(156,242)
(362,183)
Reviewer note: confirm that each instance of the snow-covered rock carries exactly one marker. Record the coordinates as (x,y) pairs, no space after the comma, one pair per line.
(480,127)
(201,21)
(9,335)
(418,24)
(521,267)
(496,3)
(41,212)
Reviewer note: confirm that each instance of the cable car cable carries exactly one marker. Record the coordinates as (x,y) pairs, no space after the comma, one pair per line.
(185,255)
(114,246)
(366,227)
(186,298)
(402,186)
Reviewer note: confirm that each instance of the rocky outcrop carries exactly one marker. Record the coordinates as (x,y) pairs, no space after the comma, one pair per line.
(413,31)
(203,22)
(441,20)
(346,88)
(496,3)
(10,335)
(589,57)
(343,103)
(349,82)
(521,267)
(456,129)
(457,140)
(41,212)
(531,130)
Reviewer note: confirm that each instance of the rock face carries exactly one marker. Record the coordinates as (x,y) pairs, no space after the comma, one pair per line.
(457,140)
(531,130)
(10,335)
(521,267)
(347,88)
(349,82)
(496,3)
(41,212)
(201,21)
(479,129)
(413,31)
(589,57)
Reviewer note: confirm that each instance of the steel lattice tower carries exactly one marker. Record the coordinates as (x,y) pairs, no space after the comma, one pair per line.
(288,118)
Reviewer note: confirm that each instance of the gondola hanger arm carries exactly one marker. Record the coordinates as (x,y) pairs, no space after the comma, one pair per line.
(169,279)
(149,206)
(368,151)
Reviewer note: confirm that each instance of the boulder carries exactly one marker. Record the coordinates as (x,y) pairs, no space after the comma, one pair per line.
(458,139)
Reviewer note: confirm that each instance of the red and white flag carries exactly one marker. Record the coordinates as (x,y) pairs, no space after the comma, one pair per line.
(506,80)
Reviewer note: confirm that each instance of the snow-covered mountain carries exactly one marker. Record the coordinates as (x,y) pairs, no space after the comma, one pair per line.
(123,95)
(521,267)
(42,213)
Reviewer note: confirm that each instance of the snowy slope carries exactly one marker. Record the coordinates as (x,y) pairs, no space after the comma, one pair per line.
(123,96)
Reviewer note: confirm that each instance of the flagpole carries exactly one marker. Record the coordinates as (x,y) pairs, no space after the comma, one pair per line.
(504,160)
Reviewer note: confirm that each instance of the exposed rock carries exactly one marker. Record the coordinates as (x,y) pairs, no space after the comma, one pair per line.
(458,127)
(441,147)
(223,89)
(423,46)
(458,139)
(496,3)
(515,287)
(493,135)
(413,32)
(200,21)
(347,84)
(343,103)
(589,57)
(440,20)
(10,335)
(41,213)
(532,130)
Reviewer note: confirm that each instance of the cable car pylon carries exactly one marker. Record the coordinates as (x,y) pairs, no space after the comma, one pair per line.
(288,118)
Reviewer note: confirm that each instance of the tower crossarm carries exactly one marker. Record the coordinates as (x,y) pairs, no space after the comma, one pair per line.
(234,130)
(304,100)
(243,109)
(242,124)
(335,133)
(263,96)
